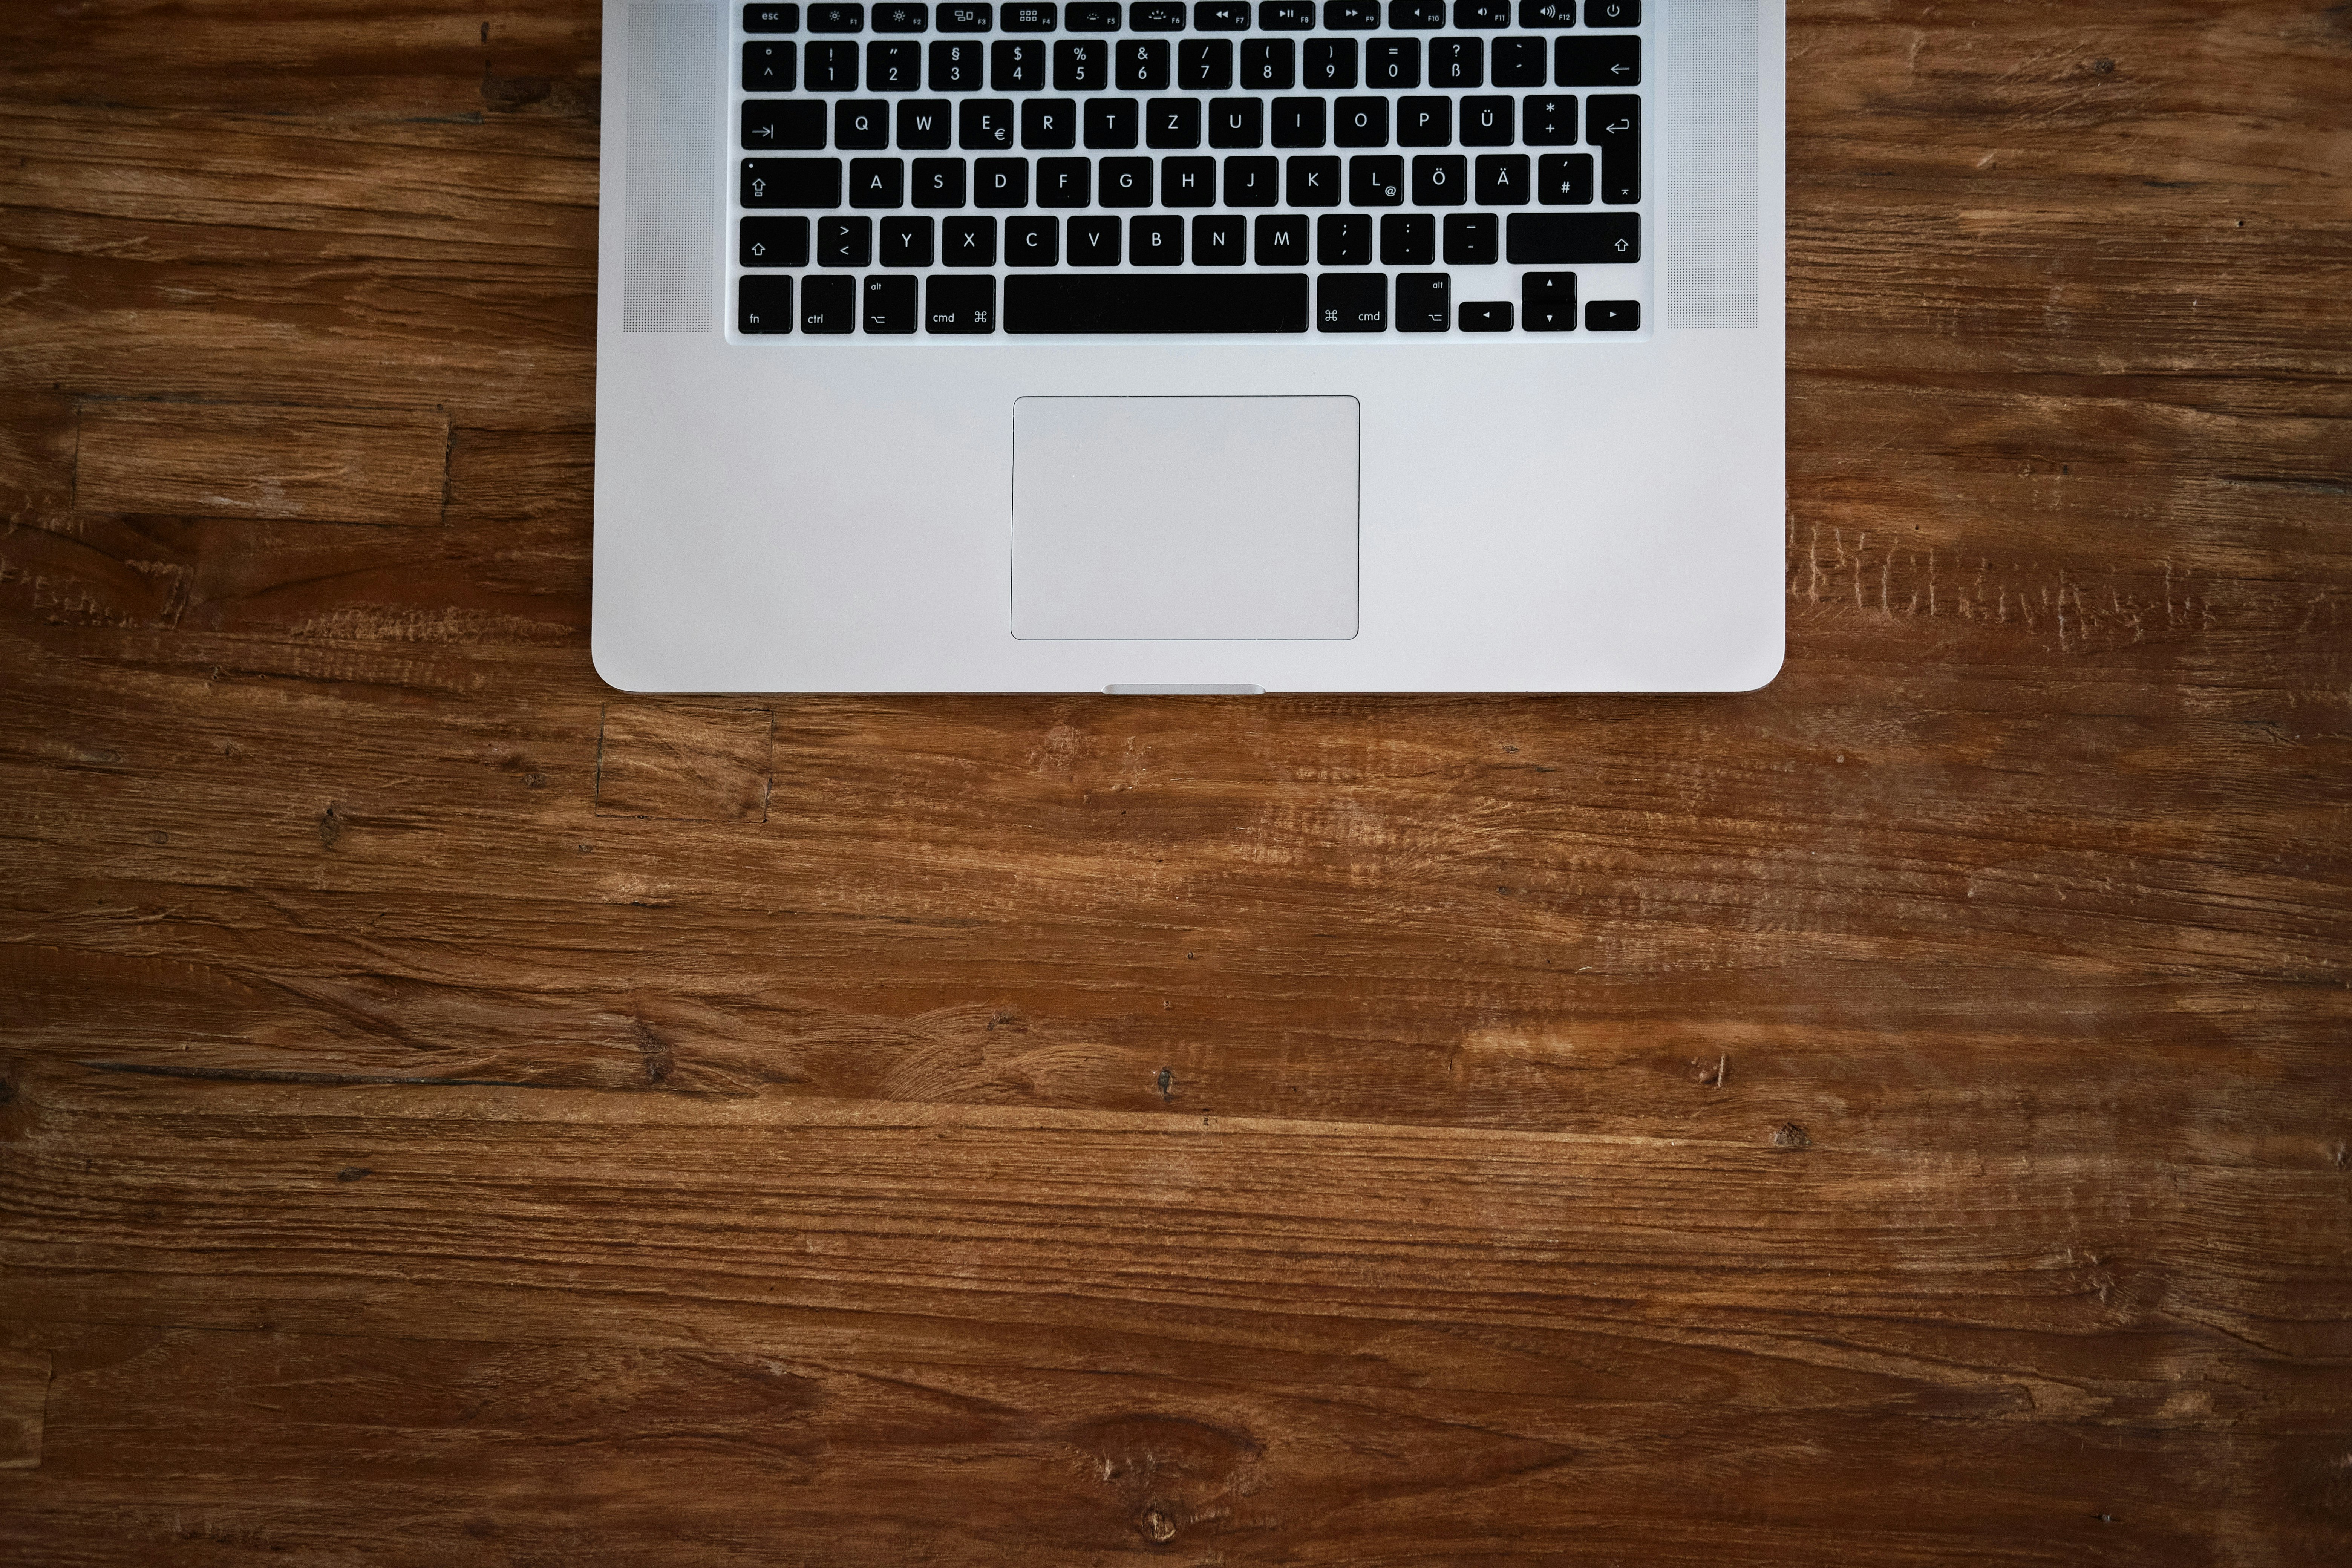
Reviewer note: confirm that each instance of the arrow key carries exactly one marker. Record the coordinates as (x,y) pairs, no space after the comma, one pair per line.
(1587,60)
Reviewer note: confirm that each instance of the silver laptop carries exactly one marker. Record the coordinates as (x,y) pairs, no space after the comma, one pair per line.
(1214,346)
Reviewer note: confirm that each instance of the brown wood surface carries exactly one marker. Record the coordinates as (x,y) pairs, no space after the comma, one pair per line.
(454,1113)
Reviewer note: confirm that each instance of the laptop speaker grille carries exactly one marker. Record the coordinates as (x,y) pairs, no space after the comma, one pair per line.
(669,260)
(1709,270)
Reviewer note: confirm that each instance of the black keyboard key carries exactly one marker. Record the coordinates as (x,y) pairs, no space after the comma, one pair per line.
(1574,239)
(966,18)
(984,125)
(1420,16)
(1286,17)
(1049,124)
(1140,65)
(1330,64)
(1081,65)
(1221,16)
(1016,65)
(1613,316)
(1311,182)
(837,19)
(1038,18)
(810,183)
(772,18)
(967,241)
(1564,179)
(1502,180)
(1547,15)
(1407,239)
(1612,122)
(1552,122)
(787,125)
(1469,239)
(1033,241)
(1547,301)
(1092,17)
(1185,302)
(860,124)
(1000,182)
(1361,123)
(1441,180)
(1351,303)
(1126,182)
(1519,62)
(1425,123)
(845,242)
(902,18)
(1488,122)
(938,183)
(1065,182)
(1171,123)
(764,305)
(1221,240)
(1282,240)
(1188,182)
(1391,65)
(1486,316)
(1605,61)
(887,305)
(1344,240)
(1204,65)
(1351,16)
(1269,65)
(1481,13)
(1113,121)
(1297,123)
(959,305)
(1252,182)
(1424,302)
(828,305)
(768,68)
(1155,241)
(956,65)
(878,183)
(896,66)
(906,241)
(773,242)
(1155,16)
(1094,242)
(1237,122)
(1376,181)
(924,124)
(832,68)
(1613,14)
(1457,63)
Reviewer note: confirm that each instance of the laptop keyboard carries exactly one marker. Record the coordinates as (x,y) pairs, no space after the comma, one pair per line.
(1362,167)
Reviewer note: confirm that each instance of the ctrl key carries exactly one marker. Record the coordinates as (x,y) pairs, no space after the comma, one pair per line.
(764,305)
(960,305)
(828,305)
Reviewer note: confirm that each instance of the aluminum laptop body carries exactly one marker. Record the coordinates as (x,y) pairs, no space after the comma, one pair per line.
(1343,346)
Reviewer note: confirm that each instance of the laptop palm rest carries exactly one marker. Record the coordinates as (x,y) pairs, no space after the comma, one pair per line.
(1184,518)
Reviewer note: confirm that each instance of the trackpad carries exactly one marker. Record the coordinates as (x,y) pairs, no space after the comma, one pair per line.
(1184,518)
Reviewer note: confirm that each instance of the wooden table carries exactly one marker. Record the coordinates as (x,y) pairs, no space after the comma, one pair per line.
(456,1113)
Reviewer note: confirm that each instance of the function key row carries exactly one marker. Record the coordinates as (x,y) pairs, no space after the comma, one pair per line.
(1206,16)
(1050,304)
(1194,65)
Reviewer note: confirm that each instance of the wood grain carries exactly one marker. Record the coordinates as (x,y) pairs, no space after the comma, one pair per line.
(250,460)
(1898,1117)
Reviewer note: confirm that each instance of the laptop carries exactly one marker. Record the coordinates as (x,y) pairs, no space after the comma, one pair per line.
(1168,346)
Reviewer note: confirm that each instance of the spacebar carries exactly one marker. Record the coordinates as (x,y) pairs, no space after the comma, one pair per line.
(1127,302)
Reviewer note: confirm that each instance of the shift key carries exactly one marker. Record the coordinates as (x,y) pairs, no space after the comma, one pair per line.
(1572,239)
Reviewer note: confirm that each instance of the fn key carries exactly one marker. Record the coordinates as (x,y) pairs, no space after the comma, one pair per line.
(764,305)
(960,305)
